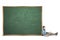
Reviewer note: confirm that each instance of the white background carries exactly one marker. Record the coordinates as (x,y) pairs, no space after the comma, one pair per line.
(50,17)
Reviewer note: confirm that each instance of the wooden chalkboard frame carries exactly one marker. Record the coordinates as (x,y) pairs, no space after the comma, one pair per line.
(20,34)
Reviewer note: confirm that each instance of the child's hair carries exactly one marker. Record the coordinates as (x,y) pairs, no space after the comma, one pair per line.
(43,26)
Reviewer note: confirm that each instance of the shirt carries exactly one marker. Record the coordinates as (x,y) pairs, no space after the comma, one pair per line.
(44,32)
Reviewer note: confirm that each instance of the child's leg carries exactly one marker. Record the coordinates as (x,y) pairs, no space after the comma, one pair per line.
(49,33)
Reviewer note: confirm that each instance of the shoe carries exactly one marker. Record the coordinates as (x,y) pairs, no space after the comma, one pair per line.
(56,33)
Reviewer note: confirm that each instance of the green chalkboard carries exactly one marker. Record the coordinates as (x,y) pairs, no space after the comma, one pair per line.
(23,20)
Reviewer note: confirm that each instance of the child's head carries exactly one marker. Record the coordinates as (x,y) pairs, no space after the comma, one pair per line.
(43,26)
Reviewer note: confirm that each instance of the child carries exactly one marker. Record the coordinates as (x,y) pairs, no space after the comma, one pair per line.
(44,33)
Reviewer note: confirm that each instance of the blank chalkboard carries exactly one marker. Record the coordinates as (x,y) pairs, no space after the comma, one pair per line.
(23,20)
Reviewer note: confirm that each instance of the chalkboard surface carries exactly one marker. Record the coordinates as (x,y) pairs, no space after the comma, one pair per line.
(22,20)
